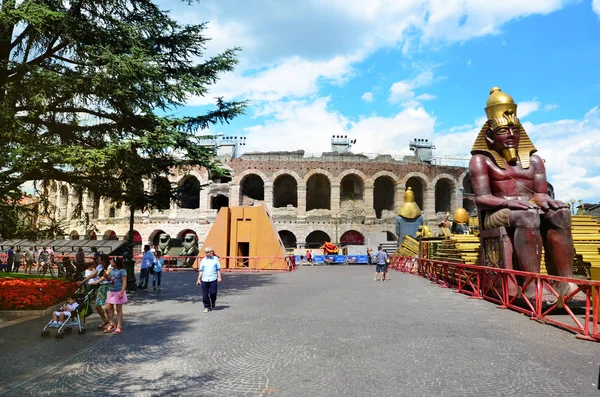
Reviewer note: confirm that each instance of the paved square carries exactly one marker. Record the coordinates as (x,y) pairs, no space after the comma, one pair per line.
(322,331)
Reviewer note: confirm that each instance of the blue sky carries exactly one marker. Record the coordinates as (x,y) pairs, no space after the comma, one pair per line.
(386,71)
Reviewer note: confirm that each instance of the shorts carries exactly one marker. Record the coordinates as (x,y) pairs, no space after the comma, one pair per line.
(113,298)
(101,295)
(57,314)
(380,268)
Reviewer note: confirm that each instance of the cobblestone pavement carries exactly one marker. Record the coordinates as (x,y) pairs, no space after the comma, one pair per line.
(326,331)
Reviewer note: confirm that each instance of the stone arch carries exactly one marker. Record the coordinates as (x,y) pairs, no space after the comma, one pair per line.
(219,201)
(315,239)
(352,237)
(318,192)
(314,171)
(391,236)
(181,234)
(351,171)
(110,235)
(288,238)
(352,187)
(161,189)
(74,235)
(64,201)
(92,235)
(418,182)
(189,192)
(154,236)
(384,193)
(252,186)
(75,197)
(444,193)
(285,191)
(238,178)
(221,179)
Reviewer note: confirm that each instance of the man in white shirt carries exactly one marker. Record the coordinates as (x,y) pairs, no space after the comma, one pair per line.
(209,278)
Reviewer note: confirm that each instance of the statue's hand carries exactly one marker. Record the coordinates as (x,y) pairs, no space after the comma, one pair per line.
(556,204)
(520,205)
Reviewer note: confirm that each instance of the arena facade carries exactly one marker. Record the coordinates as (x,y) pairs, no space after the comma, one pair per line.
(338,196)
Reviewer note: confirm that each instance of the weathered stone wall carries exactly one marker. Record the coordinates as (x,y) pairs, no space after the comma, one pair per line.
(344,213)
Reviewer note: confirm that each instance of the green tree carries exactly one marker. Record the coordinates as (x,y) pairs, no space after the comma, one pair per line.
(89,91)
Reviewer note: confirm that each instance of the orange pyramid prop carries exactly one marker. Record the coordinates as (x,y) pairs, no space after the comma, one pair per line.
(248,236)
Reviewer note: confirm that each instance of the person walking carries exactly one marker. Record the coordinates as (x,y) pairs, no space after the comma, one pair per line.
(158,266)
(209,278)
(370,256)
(380,259)
(147,261)
(10,258)
(29,260)
(17,260)
(80,260)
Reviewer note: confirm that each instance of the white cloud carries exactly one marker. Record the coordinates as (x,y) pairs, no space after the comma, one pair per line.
(308,125)
(367,97)
(401,91)
(425,97)
(292,78)
(526,108)
(404,90)
(596,6)
(283,35)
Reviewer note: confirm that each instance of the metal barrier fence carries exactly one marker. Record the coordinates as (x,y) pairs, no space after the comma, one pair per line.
(538,296)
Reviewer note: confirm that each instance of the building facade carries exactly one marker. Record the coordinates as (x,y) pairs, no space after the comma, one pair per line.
(337,196)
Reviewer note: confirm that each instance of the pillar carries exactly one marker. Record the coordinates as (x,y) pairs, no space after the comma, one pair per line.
(268,190)
(429,203)
(369,203)
(301,202)
(335,201)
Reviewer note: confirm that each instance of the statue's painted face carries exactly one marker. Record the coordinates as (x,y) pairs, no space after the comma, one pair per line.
(506,137)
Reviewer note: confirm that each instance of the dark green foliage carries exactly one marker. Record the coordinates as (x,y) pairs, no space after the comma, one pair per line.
(86,92)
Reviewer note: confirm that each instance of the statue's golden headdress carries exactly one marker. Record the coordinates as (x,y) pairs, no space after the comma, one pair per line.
(501,110)
(409,209)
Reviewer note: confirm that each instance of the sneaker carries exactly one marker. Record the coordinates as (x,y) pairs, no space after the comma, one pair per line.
(159,287)
(213,305)
(58,324)
(206,310)
(154,288)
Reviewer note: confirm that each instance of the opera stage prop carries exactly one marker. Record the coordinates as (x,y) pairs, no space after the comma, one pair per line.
(517,215)
(409,216)
(245,237)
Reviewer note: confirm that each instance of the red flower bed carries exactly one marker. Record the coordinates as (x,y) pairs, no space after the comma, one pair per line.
(24,294)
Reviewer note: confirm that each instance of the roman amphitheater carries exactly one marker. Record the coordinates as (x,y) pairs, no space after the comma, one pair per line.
(338,196)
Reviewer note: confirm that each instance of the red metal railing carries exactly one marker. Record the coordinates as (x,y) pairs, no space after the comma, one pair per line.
(535,295)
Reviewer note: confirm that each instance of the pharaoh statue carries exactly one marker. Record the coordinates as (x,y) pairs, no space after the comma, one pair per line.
(409,216)
(190,249)
(460,222)
(511,191)
(164,243)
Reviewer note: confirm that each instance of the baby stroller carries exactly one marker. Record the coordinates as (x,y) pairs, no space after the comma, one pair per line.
(84,297)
